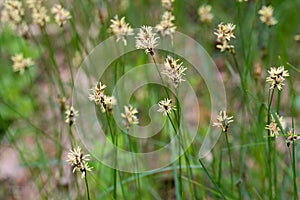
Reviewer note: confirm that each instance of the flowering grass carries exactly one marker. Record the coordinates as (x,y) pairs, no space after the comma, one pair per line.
(44,45)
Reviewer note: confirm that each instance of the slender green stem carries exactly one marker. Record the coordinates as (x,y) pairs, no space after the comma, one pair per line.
(230,161)
(115,167)
(180,169)
(115,171)
(179,159)
(110,129)
(212,180)
(270,189)
(114,140)
(220,170)
(87,187)
(274,149)
(294,171)
(134,159)
(162,80)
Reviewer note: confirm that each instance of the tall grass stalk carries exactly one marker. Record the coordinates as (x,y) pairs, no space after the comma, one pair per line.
(294,170)
(136,173)
(87,187)
(230,161)
(275,151)
(293,158)
(160,76)
(114,169)
(212,180)
(270,188)
(179,158)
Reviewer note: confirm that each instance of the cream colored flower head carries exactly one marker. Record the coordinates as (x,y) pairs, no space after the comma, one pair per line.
(266,15)
(108,103)
(291,137)
(61,15)
(277,77)
(21,63)
(167,4)
(97,93)
(205,14)
(223,121)
(13,12)
(166,106)
(146,39)
(39,16)
(224,33)
(174,70)
(98,96)
(13,15)
(241,1)
(166,26)
(120,29)
(273,127)
(129,116)
(79,161)
(71,115)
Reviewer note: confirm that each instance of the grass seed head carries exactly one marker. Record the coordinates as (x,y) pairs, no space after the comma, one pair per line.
(61,15)
(120,29)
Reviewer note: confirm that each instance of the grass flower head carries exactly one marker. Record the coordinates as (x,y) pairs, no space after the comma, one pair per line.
(273,127)
(174,70)
(108,103)
(21,63)
(120,29)
(223,121)
(79,161)
(13,12)
(224,33)
(292,136)
(277,77)
(61,15)
(147,40)
(205,14)
(266,15)
(98,96)
(97,93)
(166,106)
(129,116)
(13,15)
(71,115)
(166,26)
(39,16)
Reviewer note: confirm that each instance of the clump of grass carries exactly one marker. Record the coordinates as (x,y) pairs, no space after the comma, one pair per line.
(258,95)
